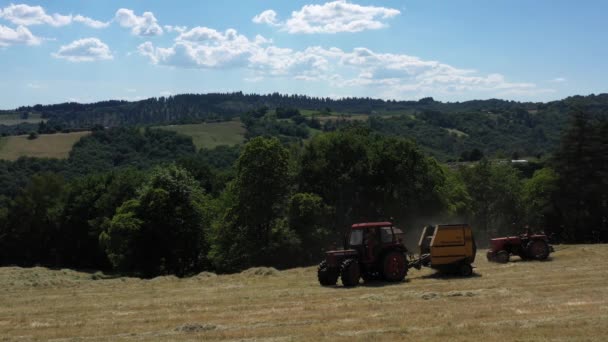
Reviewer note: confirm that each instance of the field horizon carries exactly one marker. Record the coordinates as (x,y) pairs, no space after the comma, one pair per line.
(564,299)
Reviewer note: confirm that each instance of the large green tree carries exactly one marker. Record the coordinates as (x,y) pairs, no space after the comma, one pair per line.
(495,192)
(162,230)
(253,206)
(582,166)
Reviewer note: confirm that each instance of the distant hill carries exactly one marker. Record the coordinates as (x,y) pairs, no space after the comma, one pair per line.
(447,130)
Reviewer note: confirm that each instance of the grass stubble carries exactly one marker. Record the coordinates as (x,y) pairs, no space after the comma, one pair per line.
(564,299)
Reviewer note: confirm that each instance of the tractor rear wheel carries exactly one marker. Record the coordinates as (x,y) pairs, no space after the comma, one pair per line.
(350,273)
(537,249)
(327,276)
(502,257)
(466,270)
(394,267)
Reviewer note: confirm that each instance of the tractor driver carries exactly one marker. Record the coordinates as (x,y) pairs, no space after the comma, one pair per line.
(370,242)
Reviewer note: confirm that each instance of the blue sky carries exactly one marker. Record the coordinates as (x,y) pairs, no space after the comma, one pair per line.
(85,51)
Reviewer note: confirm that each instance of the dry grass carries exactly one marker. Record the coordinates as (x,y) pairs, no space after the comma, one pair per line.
(56,145)
(565,299)
(210,135)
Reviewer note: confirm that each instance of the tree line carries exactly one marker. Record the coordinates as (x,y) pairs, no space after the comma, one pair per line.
(145,202)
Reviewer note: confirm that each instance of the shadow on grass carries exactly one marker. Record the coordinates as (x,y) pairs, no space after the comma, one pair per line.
(445,275)
(370,283)
(518,259)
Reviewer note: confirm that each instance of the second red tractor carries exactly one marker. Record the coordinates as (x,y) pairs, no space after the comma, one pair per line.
(527,246)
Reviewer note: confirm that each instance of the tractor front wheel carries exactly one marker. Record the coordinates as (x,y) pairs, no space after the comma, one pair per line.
(350,273)
(537,249)
(394,266)
(502,257)
(327,276)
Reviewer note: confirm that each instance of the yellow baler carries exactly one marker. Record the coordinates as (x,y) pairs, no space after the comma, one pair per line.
(448,248)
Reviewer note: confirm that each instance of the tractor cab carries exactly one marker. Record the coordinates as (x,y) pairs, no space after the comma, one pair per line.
(370,240)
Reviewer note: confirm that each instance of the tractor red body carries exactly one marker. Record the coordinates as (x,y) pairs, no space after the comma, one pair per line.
(527,246)
(374,250)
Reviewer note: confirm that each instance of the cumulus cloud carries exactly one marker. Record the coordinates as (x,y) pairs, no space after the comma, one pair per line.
(145,25)
(332,17)
(386,74)
(178,29)
(84,50)
(26,15)
(91,22)
(267,17)
(203,47)
(20,35)
(33,15)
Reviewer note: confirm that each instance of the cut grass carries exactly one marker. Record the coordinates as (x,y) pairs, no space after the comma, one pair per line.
(56,145)
(564,299)
(210,135)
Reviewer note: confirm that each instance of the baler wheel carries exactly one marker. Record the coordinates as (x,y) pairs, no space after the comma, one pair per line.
(466,270)
(537,249)
(502,257)
(394,266)
(327,276)
(350,273)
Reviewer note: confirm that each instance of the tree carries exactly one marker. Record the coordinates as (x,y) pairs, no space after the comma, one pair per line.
(162,231)
(309,218)
(365,177)
(539,200)
(253,205)
(90,204)
(582,166)
(33,222)
(495,191)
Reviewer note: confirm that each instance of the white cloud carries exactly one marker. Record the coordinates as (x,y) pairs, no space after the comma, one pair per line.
(91,22)
(84,50)
(20,35)
(33,15)
(145,25)
(178,29)
(26,15)
(384,74)
(331,17)
(558,80)
(267,17)
(203,47)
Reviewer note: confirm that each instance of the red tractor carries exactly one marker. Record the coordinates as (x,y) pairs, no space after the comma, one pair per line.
(374,250)
(527,246)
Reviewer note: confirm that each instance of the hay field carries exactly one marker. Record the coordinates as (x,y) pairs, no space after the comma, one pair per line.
(56,145)
(565,299)
(210,135)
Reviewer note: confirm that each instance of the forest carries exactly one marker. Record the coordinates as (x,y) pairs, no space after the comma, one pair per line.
(145,202)
(449,131)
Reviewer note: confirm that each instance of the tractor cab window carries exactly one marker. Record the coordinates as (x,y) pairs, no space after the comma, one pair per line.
(356,237)
(386,235)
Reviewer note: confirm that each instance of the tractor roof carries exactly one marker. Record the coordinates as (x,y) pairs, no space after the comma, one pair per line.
(371,225)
